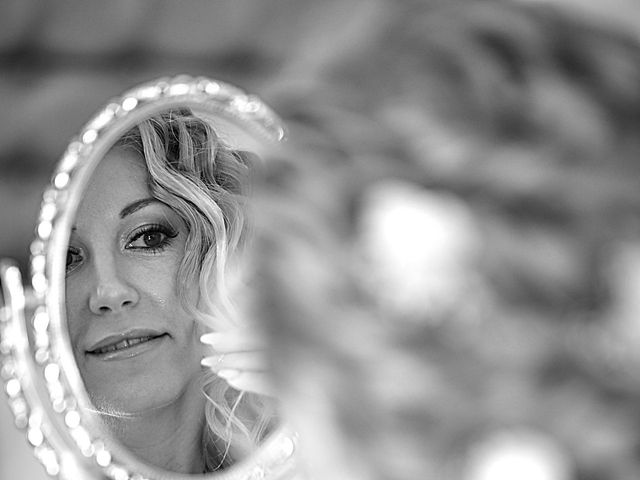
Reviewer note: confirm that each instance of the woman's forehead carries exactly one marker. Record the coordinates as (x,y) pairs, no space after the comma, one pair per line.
(120,178)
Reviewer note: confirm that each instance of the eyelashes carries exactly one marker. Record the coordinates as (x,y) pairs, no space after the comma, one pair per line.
(151,238)
(147,239)
(74,259)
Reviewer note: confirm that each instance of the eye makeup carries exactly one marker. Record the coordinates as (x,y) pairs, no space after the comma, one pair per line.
(151,238)
(74,259)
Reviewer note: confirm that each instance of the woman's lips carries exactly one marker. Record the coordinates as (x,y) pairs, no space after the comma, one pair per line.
(126,345)
(121,345)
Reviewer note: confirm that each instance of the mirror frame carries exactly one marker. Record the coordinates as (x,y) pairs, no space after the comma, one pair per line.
(41,379)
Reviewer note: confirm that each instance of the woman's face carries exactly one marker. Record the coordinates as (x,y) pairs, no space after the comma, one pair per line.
(136,347)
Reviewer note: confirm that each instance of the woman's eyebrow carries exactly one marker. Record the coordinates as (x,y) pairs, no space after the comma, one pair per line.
(137,205)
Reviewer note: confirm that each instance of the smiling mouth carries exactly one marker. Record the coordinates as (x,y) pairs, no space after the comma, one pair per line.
(124,344)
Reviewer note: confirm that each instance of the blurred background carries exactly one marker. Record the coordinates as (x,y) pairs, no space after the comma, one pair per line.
(60,62)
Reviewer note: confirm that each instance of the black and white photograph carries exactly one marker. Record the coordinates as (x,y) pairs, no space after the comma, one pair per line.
(313,240)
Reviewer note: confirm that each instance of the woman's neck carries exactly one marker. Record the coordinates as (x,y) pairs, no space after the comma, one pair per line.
(169,436)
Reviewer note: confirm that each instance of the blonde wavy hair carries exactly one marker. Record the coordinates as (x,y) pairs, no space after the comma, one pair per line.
(206,183)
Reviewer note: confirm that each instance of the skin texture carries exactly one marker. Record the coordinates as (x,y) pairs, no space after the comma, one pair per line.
(120,279)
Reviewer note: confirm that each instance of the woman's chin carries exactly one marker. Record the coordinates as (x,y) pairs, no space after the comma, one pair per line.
(138,385)
(130,404)
(143,396)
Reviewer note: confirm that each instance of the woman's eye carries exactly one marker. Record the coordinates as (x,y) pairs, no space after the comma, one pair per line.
(74,258)
(151,238)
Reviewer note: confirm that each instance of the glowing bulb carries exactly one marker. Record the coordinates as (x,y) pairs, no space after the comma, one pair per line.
(41,321)
(90,136)
(118,473)
(52,372)
(103,458)
(35,436)
(72,419)
(61,180)
(179,89)
(129,104)
(13,387)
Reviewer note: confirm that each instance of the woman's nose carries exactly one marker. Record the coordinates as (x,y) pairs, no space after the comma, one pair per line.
(112,294)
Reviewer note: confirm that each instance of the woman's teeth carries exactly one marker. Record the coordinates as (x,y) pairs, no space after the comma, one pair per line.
(122,345)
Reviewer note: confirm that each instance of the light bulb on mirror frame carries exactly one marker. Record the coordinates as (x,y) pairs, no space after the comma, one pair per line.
(41,379)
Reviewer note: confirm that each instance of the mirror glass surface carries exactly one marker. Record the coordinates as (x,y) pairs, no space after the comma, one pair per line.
(153,263)
(132,354)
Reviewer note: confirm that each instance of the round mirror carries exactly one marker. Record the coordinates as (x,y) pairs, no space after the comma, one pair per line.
(128,355)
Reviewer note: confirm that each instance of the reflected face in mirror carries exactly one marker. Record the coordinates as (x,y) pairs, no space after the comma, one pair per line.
(162,219)
(135,345)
